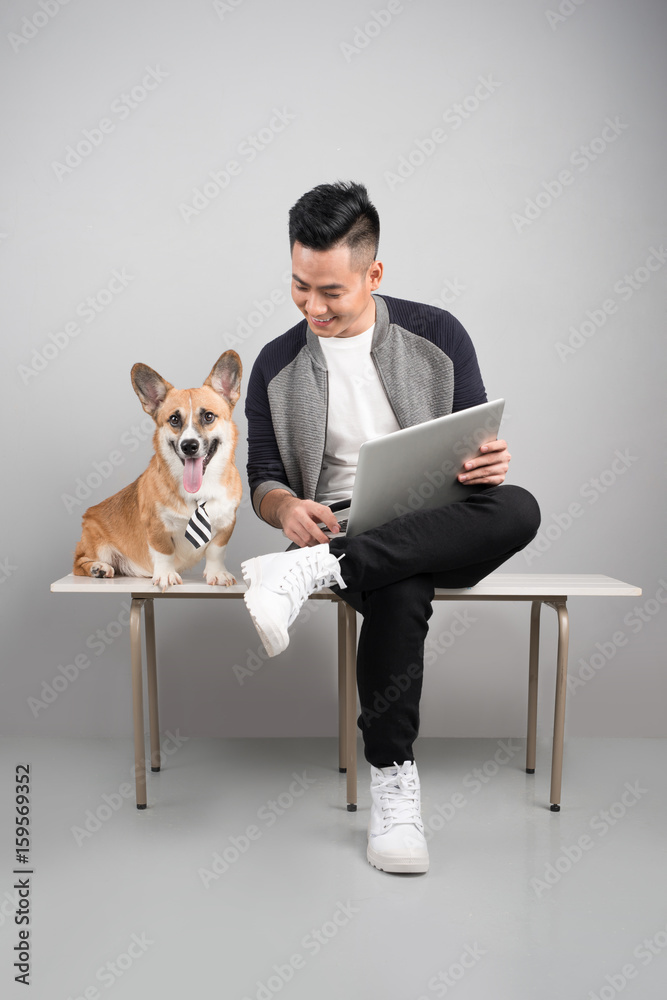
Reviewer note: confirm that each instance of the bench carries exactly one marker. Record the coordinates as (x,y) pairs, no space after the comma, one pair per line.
(551,590)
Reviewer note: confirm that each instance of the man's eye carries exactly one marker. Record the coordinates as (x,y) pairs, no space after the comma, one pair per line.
(209,417)
(175,420)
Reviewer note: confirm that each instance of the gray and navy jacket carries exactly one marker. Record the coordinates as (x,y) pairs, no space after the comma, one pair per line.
(425,361)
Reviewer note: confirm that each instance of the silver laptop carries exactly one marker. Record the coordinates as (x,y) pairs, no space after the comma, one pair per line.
(416,468)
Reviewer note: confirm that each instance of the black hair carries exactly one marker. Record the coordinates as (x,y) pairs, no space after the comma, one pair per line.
(337,214)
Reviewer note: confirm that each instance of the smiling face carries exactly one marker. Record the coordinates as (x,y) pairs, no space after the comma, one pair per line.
(193,425)
(334,297)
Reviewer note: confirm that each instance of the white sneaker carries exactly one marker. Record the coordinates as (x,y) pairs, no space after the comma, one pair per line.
(396,841)
(278,586)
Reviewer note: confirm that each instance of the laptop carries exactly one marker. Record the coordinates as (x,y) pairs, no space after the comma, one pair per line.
(416,468)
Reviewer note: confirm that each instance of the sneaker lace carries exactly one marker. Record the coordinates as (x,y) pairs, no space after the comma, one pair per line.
(400,799)
(310,574)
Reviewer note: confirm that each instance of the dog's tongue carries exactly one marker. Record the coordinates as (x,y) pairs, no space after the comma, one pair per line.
(193,473)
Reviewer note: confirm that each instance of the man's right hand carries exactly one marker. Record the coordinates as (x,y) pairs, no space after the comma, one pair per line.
(298,518)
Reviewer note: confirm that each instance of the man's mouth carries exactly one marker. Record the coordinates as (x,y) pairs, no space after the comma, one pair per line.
(321,322)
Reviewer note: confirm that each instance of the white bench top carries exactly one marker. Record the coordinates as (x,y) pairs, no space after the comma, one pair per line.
(499,585)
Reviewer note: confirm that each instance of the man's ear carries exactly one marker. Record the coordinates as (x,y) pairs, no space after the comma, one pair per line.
(375,274)
(150,387)
(225,377)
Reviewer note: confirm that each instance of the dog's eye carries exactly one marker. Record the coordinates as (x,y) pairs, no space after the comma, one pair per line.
(175,420)
(209,417)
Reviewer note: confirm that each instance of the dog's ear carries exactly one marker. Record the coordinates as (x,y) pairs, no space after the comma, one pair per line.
(225,377)
(150,387)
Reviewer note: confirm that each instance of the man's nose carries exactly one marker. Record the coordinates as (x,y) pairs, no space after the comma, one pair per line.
(316,305)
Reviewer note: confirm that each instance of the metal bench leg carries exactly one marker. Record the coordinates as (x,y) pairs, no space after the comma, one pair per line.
(533,668)
(342,687)
(138,701)
(151,672)
(351,705)
(559,712)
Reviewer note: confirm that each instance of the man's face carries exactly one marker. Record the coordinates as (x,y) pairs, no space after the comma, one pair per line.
(333,296)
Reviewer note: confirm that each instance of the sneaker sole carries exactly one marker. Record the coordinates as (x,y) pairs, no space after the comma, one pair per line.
(397,865)
(274,639)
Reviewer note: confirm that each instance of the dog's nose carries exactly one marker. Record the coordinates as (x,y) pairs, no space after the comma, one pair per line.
(190,447)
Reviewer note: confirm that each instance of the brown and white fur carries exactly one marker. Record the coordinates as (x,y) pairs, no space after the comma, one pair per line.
(140,531)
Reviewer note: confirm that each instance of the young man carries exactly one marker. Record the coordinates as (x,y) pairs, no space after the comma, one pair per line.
(358,366)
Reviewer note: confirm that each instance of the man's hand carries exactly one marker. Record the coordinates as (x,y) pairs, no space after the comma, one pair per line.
(298,518)
(489,467)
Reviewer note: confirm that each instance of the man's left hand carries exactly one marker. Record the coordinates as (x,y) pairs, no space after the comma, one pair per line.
(489,467)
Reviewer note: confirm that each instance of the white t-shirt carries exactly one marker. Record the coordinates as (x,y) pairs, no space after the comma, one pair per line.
(358,411)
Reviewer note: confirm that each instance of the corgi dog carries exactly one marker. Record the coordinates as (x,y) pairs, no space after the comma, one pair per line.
(141,531)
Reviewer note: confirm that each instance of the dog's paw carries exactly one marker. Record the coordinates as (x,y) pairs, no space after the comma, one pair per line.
(164,580)
(101,570)
(218,578)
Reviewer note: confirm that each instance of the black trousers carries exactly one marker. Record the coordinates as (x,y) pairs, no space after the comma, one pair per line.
(390,574)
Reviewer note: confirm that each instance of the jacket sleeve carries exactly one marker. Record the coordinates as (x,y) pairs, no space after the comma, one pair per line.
(468,385)
(265,466)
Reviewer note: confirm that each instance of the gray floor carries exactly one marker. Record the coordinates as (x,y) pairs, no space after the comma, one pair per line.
(240,881)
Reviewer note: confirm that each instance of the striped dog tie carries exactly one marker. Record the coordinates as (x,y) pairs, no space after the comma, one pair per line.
(198,530)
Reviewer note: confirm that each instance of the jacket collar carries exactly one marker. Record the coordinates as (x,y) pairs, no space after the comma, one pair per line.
(379,334)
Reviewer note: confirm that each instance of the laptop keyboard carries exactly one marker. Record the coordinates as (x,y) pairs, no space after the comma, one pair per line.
(334,534)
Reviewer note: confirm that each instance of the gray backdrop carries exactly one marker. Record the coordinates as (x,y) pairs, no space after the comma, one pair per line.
(516,155)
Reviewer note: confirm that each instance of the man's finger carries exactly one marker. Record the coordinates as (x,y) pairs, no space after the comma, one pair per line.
(493,446)
(478,463)
(324,514)
(318,537)
(314,534)
(492,469)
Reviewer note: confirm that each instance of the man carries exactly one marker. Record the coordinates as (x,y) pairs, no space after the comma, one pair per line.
(361,365)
